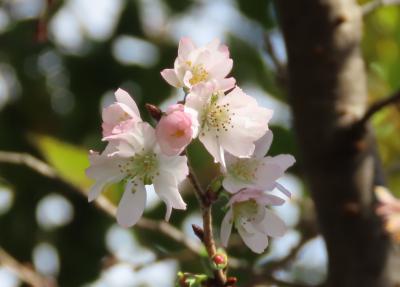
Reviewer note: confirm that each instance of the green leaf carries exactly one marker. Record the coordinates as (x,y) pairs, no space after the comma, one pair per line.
(69,160)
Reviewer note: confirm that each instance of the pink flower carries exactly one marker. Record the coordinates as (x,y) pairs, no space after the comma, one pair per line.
(254,222)
(175,130)
(389,209)
(120,116)
(193,65)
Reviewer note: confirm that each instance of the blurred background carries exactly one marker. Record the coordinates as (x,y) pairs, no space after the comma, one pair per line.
(61,61)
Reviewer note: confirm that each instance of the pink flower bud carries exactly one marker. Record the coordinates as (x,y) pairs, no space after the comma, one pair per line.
(174,130)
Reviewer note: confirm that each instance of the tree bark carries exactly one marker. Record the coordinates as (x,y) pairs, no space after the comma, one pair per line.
(327,92)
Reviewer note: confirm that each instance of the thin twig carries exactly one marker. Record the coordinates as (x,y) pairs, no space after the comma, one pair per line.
(371,6)
(206,208)
(101,202)
(377,106)
(25,273)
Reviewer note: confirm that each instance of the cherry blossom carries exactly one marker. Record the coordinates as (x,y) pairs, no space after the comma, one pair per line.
(120,116)
(176,129)
(254,222)
(389,208)
(231,122)
(257,171)
(195,65)
(135,159)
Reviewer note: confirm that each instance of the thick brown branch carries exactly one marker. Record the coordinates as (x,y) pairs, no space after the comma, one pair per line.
(101,202)
(328,95)
(379,105)
(25,273)
(371,6)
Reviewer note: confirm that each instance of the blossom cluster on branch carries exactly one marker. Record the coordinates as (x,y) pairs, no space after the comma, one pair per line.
(229,123)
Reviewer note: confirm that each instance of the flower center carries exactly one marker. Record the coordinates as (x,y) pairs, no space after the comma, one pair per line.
(244,169)
(199,74)
(141,166)
(245,210)
(216,116)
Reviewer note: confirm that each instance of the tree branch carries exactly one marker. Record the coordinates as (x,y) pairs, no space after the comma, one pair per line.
(101,202)
(371,6)
(25,273)
(379,105)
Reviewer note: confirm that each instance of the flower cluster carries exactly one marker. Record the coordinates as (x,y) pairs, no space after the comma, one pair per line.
(229,123)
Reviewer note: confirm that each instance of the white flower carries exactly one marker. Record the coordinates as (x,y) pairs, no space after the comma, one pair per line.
(136,160)
(193,65)
(257,171)
(252,219)
(231,122)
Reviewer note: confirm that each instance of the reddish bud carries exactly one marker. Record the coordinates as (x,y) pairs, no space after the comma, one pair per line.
(220,261)
(154,111)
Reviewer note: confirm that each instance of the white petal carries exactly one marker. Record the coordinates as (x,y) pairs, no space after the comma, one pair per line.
(166,188)
(283,160)
(384,195)
(124,98)
(271,225)
(176,165)
(185,47)
(211,143)
(132,204)
(221,69)
(226,227)
(233,185)
(266,175)
(263,145)
(226,84)
(95,190)
(269,199)
(170,76)
(257,242)
(103,167)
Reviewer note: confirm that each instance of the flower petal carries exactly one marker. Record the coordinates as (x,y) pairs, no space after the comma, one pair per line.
(170,76)
(226,227)
(132,204)
(124,98)
(177,164)
(263,145)
(271,225)
(185,47)
(221,69)
(211,143)
(166,188)
(257,242)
